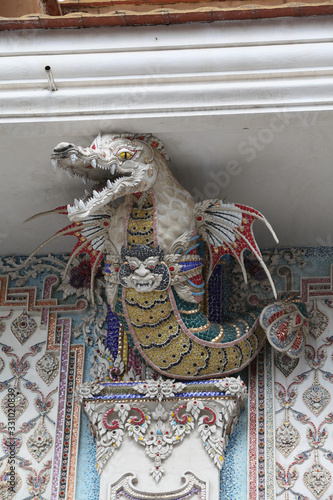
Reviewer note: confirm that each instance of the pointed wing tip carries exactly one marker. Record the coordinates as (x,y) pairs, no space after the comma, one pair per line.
(29,219)
(58,210)
(29,258)
(271,230)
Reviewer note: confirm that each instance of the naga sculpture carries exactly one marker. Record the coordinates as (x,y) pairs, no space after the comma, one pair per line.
(153,270)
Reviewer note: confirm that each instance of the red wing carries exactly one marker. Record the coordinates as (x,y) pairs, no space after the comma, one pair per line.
(90,233)
(228,229)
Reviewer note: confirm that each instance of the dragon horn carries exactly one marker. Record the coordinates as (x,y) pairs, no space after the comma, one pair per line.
(58,210)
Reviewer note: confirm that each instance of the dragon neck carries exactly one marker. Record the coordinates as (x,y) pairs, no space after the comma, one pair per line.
(174,208)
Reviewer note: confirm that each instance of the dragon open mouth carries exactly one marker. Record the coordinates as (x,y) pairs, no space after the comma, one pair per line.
(115,165)
(84,163)
(93,166)
(98,193)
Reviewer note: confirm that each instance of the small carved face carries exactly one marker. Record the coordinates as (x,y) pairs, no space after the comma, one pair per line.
(319,477)
(143,269)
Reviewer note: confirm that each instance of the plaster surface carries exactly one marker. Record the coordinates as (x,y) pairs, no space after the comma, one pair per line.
(188,456)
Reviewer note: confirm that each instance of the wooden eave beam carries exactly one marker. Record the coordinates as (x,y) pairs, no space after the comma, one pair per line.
(51,7)
(121,13)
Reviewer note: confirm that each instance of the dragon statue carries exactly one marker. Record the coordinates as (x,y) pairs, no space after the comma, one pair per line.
(148,228)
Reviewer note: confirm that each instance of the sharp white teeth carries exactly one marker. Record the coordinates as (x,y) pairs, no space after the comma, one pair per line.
(76,202)
(86,192)
(81,204)
(85,179)
(54,162)
(93,163)
(70,172)
(109,184)
(70,209)
(96,194)
(113,168)
(73,158)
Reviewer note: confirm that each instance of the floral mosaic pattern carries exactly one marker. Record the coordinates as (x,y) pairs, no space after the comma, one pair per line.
(23,327)
(20,403)
(48,367)
(287,438)
(35,481)
(284,363)
(304,439)
(317,479)
(316,397)
(318,320)
(40,442)
(19,393)
(30,374)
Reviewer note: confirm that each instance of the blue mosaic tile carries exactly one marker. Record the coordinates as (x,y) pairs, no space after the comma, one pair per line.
(233,477)
(87,479)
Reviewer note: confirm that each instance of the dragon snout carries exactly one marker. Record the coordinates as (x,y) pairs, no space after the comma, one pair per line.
(62,147)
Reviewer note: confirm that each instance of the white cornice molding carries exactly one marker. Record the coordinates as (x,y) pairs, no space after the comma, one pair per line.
(153,72)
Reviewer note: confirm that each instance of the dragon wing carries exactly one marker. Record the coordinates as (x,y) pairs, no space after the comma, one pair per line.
(228,229)
(91,233)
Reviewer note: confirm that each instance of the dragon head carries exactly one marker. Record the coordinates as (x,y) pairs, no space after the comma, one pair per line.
(118,164)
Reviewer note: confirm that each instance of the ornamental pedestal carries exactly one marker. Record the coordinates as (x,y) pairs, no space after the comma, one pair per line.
(161,438)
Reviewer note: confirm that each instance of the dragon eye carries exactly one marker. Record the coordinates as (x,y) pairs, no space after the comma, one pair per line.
(125,155)
(151,266)
(133,267)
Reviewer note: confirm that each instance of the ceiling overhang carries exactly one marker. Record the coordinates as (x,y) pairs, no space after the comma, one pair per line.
(168,73)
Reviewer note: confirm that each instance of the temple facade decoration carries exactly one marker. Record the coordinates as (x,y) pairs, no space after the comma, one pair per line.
(180,391)
(159,420)
(154,244)
(280,447)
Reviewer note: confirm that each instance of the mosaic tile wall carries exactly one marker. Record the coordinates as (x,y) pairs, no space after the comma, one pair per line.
(49,336)
(29,403)
(41,366)
(290,409)
(304,417)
